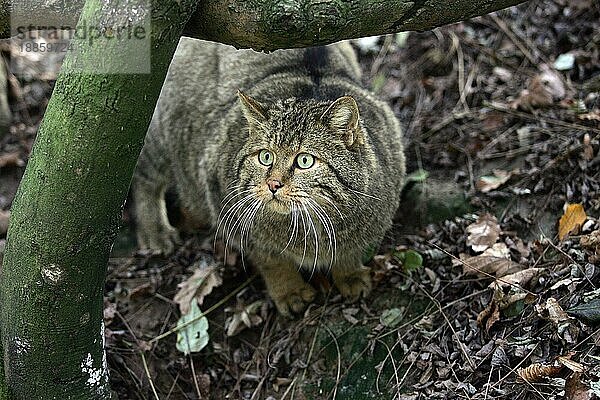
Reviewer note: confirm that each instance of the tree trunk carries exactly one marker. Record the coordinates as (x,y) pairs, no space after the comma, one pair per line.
(68,207)
(276,24)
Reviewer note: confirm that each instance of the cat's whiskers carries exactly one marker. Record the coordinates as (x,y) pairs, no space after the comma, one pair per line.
(292,227)
(305,231)
(363,194)
(316,237)
(327,199)
(229,216)
(235,193)
(328,226)
(239,217)
(247,226)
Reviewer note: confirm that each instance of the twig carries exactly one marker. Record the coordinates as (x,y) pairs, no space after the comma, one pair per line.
(502,25)
(148,376)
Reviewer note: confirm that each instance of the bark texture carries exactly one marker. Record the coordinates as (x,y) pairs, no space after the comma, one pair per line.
(68,207)
(275,24)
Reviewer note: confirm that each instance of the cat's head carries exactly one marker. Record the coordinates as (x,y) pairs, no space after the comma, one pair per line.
(302,154)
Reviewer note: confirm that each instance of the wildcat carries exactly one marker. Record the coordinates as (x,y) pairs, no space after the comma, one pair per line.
(285,155)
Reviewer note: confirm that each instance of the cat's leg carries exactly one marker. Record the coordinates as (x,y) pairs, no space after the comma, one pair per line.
(150,182)
(285,285)
(153,228)
(352,279)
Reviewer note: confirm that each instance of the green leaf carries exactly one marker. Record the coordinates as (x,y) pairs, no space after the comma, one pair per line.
(391,318)
(192,330)
(589,312)
(410,259)
(418,176)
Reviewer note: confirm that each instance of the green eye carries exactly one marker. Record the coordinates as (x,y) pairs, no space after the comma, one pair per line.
(265,157)
(305,160)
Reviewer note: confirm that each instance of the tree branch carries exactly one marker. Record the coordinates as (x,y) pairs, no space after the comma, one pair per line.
(275,24)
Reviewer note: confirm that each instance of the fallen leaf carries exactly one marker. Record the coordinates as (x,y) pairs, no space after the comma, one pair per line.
(576,389)
(542,91)
(591,116)
(200,284)
(490,182)
(498,250)
(192,330)
(588,149)
(564,62)
(391,318)
(484,266)
(565,328)
(244,316)
(538,372)
(11,160)
(410,259)
(483,233)
(589,312)
(571,220)
(520,278)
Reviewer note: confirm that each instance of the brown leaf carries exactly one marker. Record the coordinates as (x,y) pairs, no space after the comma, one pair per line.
(538,372)
(483,233)
(590,241)
(484,266)
(199,285)
(542,91)
(571,220)
(11,160)
(244,316)
(575,389)
(520,278)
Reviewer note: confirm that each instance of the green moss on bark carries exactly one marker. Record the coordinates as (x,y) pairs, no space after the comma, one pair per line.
(67,210)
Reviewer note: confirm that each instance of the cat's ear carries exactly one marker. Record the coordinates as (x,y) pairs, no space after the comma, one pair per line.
(342,116)
(253,110)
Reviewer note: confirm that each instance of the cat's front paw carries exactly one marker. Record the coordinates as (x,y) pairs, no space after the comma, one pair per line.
(294,300)
(354,283)
(159,239)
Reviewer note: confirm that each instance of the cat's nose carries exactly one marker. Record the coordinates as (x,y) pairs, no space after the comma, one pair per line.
(274,184)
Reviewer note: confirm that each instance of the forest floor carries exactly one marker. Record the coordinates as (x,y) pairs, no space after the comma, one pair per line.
(485,288)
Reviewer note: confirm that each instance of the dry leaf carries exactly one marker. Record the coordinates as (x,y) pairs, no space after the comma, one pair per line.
(576,389)
(490,182)
(572,365)
(520,278)
(563,324)
(244,316)
(538,372)
(588,149)
(483,233)
(11,160)
(591,116)
(571,220)
(199,285)
(484,266)
(543,90)
(498,250)
(590,241)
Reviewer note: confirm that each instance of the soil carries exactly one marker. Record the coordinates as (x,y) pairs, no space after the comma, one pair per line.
(485,288)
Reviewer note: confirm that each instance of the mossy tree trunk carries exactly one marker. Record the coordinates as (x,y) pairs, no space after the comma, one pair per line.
(68,207)
(276,24)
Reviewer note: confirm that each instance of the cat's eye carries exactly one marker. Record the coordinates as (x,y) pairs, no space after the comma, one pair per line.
(266,158)
(305,160)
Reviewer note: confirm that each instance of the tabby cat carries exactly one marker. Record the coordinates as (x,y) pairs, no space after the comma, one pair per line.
(285,155)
